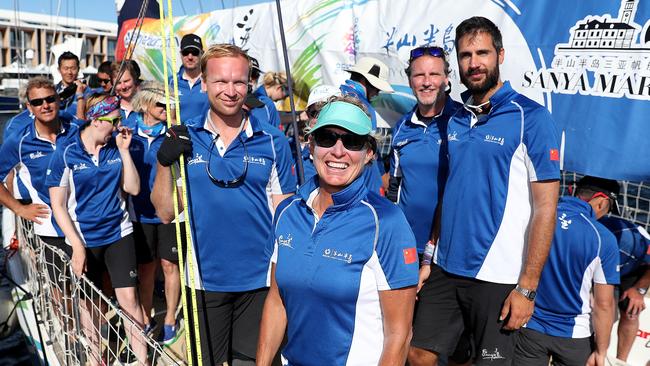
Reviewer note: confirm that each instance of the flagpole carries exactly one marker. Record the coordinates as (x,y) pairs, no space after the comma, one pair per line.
(294,123)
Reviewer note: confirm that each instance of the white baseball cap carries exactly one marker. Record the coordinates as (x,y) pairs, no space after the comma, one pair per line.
(322,93)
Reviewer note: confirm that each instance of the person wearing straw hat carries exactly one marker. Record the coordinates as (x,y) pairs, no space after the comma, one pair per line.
(88,177)
(345,264)
(155,241)
(238,170)
(583,259)
(192,99)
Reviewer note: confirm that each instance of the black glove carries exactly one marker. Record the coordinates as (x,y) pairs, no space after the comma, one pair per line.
(177,141)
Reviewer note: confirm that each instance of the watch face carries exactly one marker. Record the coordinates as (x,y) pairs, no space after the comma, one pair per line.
(532,295)
(642,291)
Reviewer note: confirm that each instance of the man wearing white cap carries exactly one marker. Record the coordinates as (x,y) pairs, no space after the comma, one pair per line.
(368,77)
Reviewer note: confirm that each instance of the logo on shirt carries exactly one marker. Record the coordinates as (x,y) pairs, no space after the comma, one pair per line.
(285,242)
(402,143)
(36,155)
(564,223)
(487,355)
(254,160)
(452,136)
(80,166)
(198,158)
(339,256)
(494,139)
(114,161)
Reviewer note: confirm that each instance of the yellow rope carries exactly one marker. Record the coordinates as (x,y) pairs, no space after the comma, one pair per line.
(188,233)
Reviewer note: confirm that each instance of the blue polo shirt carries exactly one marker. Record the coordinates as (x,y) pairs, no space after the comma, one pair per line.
(419,158)
(143,151)
(31,154)
(17,123)
(633,243)
(330,270)
(269,111)
(583,252)
(68,105)
(231,227)
(129,120)
(487,202)
(353,88)
(193,101)
(96,201)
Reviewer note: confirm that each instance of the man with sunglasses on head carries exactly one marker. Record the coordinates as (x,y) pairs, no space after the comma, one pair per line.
(238,170)
(73,103)
(499,201)
(29,151)
(418,170)
(192,99)
(583,259)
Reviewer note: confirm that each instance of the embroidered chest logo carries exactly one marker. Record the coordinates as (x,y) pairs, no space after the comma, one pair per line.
(254,160)
(36,155)
(198,158)
(402,143)
(452,136)
(285,241)
(564,223)
(80,166)
(494,139)
(114,161)
(337,255)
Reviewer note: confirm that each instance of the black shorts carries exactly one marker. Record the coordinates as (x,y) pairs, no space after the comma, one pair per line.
(469,307)
(156,241)
(118,259)
(535,348)
(58,266)
(229,324)
(435,322)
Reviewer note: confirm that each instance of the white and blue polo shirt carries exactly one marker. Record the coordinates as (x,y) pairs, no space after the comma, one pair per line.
(143,150)
(583,252)
(330,270)
(269,113)
(30,154)
(95,198)
(192,100)
(419,158)
(231,227)
(633,243)
(487,202)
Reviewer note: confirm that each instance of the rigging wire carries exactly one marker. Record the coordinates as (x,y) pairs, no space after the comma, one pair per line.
(132,43)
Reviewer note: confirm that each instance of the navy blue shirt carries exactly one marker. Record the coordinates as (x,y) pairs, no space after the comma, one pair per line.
(330,270)
(31,155)
(633,243)
(96,201)
(583,252)
(232,226)
(487,202)
(271,112)
(419,158)
(193,101)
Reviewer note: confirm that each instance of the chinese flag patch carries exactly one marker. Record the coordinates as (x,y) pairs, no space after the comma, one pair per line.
(410,255)
(555,155)
(648,251)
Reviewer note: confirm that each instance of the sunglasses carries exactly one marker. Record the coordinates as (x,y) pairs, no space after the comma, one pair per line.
(113,120)
(38,101)
(228,183)
(190,51)
(611,198)
(104,81)
(161,105)
(431,51)
(352,142)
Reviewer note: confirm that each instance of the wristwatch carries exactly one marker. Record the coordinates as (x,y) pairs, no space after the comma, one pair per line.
(528,293)
(642,290)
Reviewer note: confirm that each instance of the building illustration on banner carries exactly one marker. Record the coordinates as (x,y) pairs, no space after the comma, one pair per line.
(604,56)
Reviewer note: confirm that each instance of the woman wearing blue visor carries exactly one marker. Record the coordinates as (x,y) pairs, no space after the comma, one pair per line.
(344,260)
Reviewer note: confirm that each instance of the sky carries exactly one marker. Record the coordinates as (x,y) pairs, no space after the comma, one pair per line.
(104,10)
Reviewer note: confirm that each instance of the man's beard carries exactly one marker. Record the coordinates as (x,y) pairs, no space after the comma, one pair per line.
(491,80)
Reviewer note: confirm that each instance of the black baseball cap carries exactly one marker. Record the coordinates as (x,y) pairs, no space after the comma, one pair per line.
(609,187)
(191,40)
(255,65)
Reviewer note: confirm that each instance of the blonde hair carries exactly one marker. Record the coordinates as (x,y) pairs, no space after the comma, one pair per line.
(222,50)
(149,93)
(274,78)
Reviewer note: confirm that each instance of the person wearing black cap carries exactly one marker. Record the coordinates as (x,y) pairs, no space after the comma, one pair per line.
(192,99)
(583,257)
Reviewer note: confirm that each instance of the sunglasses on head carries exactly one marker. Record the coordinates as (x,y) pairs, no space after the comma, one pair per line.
(190,51)
(113,120)
(161,105)
(104,81)
(38,101)
(431,51)
(611,199)
(351,141)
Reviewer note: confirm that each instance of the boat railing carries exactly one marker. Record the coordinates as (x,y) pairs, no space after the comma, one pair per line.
(80,324)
